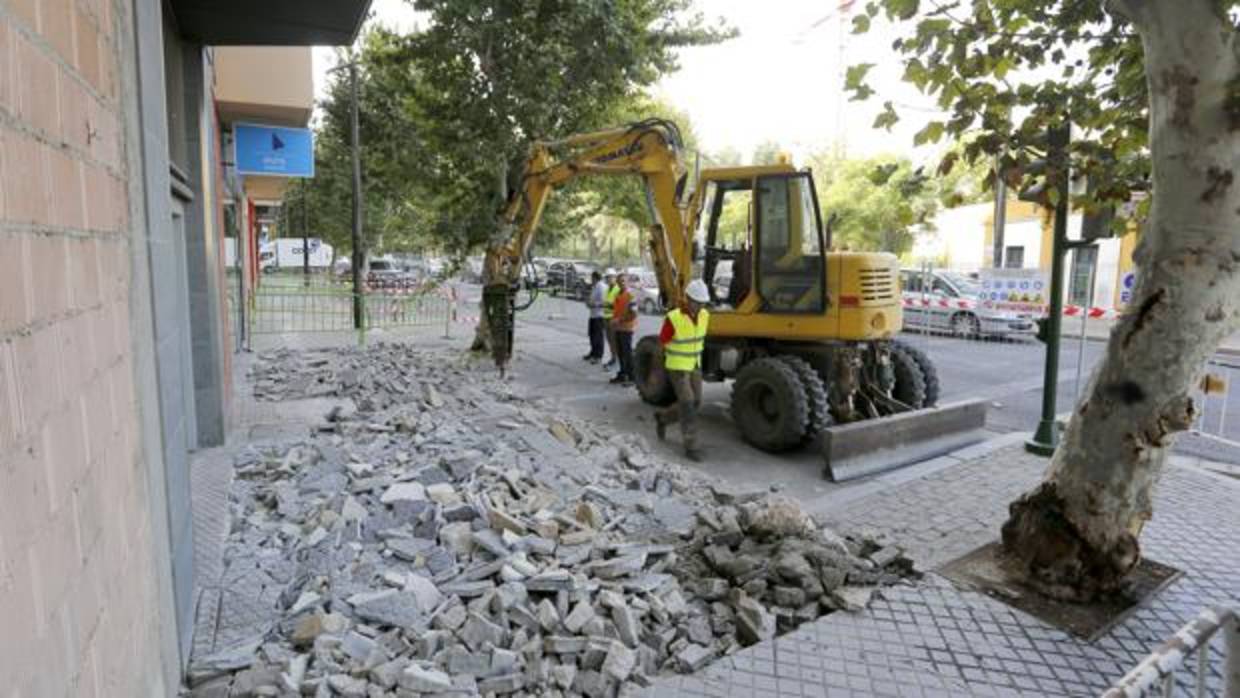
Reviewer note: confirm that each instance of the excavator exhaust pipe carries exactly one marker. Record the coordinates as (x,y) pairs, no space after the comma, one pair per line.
(873,446)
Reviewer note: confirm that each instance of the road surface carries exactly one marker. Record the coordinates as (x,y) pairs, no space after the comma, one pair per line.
(551,339)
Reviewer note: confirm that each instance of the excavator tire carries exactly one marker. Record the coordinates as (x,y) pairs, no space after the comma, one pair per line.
(769,405)
(929,374)
(910,387)
(815,395)
(651,378)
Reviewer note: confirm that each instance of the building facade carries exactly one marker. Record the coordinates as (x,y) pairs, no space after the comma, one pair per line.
(962,239)
(115,336)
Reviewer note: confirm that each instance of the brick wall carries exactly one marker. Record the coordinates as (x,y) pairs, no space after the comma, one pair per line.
(77,580)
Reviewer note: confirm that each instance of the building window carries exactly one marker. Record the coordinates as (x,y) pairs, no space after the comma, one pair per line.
(1014,257)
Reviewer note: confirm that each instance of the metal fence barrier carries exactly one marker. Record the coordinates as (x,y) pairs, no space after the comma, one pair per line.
(284,309)
(1157,672)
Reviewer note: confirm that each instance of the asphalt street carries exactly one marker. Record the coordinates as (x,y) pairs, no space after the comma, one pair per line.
(551,338)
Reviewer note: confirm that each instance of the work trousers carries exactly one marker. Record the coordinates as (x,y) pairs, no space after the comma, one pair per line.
(596,329)
(611,340)
(624,350)
(688,387)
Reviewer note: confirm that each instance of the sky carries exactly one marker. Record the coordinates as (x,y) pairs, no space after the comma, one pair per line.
(780,80)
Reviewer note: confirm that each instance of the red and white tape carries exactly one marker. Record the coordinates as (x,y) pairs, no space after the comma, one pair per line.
(1093,313)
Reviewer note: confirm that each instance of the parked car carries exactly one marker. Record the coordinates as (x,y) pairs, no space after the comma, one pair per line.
(948,301)
(534,275)
(571,279)
(645,287)
(387,273)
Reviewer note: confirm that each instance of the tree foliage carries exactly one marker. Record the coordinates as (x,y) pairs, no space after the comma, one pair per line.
(493,75)
(1007,70)
(880,202)
(447,112)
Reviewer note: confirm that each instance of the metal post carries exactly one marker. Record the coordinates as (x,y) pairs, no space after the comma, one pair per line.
(1222,413)
(451,312)
(1000,222)
(1231,656)
(1046,438)
(305,236)
(359,306)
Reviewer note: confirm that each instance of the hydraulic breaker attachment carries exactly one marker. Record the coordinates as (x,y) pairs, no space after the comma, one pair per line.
(871,446)
(498,304)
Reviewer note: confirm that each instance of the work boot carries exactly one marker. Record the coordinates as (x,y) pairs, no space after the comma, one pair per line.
(694,454)
(618,380)
(659,427)
(587,357)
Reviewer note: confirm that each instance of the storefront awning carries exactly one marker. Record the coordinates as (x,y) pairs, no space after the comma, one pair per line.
(270,22)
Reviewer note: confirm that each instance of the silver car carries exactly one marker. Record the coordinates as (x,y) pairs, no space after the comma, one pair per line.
(949,301)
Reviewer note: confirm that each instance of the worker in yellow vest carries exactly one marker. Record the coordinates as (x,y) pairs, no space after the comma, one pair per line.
(609,302)
(683,338)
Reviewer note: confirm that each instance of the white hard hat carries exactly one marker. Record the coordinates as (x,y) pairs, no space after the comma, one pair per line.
(609,272)
(698,292)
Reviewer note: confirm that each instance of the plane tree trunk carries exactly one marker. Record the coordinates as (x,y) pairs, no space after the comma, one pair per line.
(1076,534)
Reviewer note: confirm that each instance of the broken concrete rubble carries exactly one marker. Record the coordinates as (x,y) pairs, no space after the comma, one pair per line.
(414,549)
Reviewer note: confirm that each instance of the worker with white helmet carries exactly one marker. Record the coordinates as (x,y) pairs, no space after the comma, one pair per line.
(609,302)
(683,338)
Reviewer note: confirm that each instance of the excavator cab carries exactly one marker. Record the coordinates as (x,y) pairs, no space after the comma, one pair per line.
(778,260)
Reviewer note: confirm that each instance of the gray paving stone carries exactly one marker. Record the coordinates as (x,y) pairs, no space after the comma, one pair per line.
(935,640)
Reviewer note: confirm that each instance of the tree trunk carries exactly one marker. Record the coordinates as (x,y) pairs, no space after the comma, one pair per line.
(1075,536)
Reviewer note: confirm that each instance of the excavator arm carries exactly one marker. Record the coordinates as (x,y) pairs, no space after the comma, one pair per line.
(648,149)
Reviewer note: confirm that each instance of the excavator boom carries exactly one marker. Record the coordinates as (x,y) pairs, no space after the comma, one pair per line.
(648,149)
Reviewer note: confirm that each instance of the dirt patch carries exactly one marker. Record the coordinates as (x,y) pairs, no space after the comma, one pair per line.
(988,570)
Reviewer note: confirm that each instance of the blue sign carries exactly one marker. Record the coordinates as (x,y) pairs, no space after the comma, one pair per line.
(274,150)
(1127,282)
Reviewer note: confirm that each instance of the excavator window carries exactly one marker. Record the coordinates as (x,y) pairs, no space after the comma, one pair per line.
(788,229)
(725,223)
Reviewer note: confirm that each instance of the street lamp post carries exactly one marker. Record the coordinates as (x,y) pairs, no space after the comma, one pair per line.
(359,307)
(305,236)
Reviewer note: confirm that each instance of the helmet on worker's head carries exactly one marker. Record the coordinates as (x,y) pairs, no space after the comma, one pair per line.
(697,291)
(609,272)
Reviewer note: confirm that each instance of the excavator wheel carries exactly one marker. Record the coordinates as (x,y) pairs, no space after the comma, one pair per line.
(651,378)
(769,405)
(815,395)
(910,386)
(929,374)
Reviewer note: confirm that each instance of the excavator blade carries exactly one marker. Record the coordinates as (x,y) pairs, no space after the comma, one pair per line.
(872,446)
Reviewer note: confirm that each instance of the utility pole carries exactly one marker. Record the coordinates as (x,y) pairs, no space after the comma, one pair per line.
(305,235)
(359,256)
(1000,214)
(1046,438)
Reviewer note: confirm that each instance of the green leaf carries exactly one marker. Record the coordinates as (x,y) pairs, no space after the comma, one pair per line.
(887,118)
(861,24)
(931,133)
(902,9)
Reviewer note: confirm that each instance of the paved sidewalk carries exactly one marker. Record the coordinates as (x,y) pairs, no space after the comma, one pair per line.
(931,639)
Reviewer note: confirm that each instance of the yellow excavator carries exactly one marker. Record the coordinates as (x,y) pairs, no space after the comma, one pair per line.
(807,334)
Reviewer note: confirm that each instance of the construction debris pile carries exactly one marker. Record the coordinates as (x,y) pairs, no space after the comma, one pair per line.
(440,534)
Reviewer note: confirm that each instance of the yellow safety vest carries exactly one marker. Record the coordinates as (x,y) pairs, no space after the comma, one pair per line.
(609,301)
(684,352)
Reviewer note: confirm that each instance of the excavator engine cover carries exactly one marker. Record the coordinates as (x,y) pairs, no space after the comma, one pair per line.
(497,303)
